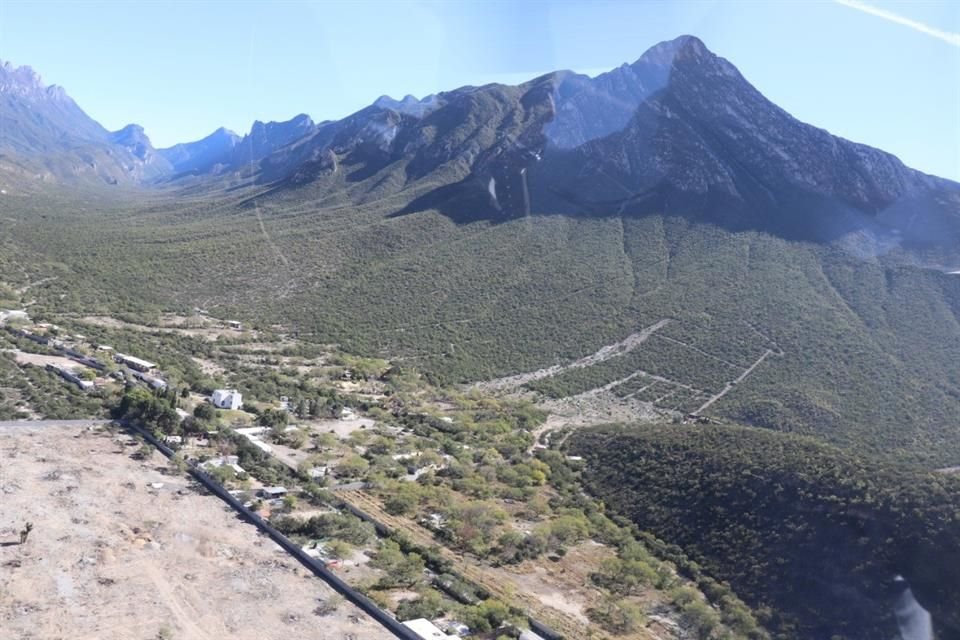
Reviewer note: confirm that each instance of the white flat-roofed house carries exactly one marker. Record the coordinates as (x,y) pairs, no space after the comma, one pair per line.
(225,461)
(427,630)
(227,399)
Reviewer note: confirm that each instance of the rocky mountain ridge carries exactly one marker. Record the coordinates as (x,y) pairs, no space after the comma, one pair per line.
(680,129)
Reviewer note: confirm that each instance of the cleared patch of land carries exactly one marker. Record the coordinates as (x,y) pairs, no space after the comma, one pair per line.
(41,360)
(603,354)
(120,549)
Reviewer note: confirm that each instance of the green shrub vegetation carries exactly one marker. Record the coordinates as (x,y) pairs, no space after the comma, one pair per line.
(804,531)
(861,366)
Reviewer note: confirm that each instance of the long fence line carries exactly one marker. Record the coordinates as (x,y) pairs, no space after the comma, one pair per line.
(336,583)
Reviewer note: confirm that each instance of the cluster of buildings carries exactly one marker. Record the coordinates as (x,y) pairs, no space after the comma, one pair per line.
(67,346)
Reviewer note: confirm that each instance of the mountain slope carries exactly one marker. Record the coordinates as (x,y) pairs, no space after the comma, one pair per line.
(591,108)
(708,142)
(45,135)
(814,536)
(202,155)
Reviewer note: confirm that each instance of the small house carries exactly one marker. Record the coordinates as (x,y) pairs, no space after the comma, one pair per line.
(235,324)
(427,630)
(225,461)
(226,399)
(273,493)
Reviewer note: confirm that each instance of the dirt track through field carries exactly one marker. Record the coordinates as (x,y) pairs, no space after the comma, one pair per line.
(626,345)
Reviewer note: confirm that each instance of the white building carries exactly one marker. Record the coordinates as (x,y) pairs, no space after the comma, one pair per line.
(427,630)
(225,461)
(134,362)
(226,399)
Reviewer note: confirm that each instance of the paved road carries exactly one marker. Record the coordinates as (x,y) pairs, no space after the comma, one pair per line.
(53,423)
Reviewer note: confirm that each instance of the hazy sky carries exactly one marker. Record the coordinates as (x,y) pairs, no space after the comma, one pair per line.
(883,73)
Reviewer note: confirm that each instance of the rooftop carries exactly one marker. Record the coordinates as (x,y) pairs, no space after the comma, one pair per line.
(427,630)
(274,490)
(135,360)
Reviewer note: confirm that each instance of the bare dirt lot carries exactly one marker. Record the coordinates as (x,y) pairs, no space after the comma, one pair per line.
(41,360)
(113,556)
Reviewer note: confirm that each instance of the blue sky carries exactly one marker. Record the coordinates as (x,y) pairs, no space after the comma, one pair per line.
(182,69)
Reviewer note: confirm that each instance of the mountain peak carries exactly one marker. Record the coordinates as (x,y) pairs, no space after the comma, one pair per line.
(131,129)
(410,105)
(299,120)
(684,49)
(223,132)
(22,81)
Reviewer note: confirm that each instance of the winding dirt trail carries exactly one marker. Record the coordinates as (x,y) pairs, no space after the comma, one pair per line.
(626,345)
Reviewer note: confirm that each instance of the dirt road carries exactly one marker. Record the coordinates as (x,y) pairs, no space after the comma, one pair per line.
(626,345)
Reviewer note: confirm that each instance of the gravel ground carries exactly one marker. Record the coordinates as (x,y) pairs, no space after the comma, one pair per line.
(121,550)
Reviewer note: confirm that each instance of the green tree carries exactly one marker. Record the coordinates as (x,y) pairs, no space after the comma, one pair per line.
(353,466)
(274,418)
(178,462)
(402,499)
(205,411)
(144,452)
(338,549)
(429,605)
(400,569)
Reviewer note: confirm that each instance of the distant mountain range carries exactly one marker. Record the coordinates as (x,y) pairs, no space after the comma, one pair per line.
(679,128)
